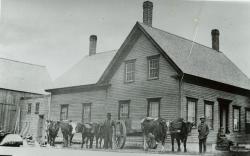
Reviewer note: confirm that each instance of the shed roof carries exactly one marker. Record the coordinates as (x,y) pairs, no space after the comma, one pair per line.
(198,60)
(24,77)
(87,71)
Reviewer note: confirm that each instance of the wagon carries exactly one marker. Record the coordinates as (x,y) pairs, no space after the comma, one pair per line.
(119,134)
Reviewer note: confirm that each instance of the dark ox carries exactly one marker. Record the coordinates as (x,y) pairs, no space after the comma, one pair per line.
(154,131)
(52,129)
(89,132)
(180,132)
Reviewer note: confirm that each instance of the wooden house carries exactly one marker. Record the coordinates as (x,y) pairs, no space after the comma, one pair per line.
(159,74)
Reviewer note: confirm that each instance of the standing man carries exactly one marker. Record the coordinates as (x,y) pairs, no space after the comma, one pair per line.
(108,131)
(203,130)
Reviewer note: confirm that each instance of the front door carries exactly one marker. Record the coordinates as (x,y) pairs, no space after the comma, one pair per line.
(40,127)
(224,114)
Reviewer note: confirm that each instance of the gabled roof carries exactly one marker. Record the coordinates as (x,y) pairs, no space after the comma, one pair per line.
(24,77)
(86,72)
(188,57)
(198,60)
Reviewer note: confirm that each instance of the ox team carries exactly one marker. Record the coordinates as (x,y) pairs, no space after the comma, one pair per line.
(154,130)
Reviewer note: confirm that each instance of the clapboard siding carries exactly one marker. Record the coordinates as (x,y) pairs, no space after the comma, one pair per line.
(97,99)
(166,87)
(203,93)
(32,119)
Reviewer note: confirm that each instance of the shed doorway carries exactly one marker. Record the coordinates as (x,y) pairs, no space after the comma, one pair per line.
(40,127)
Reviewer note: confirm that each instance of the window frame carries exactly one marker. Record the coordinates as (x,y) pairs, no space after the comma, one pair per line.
(239,108)
(196,103)
(121,102)
(90,114)
(158,99)
(211,103)
(62,106)
(157,57)
(37,108)
(29,108)
(125,71)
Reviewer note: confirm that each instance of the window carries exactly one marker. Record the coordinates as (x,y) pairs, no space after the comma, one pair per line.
(29,108)
(123,110)
(86,112)
(191,110)
(37,108)
(209,113)
(153,107)
(64,112)
(153,67)
(130,71)
(236,118)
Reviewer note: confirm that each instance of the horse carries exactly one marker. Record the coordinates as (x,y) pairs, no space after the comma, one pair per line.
(68,129)
(89,131)
(52,129)
(180,133)
(154,130)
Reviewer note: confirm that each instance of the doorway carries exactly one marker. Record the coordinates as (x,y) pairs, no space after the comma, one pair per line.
(224,114)
(40,127)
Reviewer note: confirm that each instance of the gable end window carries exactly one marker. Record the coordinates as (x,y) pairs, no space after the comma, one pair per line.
(64,112)
(236,118)
(209,113)
(153,67)
(192,110)
(130,71)
(86,112)
(37,108)
(29,108)
(153,107)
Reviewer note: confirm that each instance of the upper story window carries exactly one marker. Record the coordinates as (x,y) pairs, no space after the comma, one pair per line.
(64,112)
(37,108)
(86,112)
(29,108)
(123,110)
(130,71)
(209,113)
(153,107)
(236,119)
(153,67)
(191,110)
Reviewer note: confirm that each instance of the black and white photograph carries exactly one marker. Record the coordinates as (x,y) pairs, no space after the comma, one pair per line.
(124,77)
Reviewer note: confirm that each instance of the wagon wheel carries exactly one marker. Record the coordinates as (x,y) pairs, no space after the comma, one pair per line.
(119,135)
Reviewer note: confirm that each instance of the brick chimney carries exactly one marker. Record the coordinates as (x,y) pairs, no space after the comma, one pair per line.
(92,44)
(147,13)
(215,39)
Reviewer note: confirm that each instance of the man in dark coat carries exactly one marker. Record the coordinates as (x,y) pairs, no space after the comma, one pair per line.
(108,131)
(203,130)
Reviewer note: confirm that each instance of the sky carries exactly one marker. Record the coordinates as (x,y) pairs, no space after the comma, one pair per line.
(55,33)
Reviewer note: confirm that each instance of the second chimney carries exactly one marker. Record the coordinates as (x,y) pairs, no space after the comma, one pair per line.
(215,39)
(92,45)
(147,13)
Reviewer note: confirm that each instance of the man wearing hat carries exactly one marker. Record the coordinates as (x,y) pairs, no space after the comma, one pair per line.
(203,130)
(108,131)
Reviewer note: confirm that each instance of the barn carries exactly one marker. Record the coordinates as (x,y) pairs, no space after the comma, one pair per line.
(158,74)
(19,81)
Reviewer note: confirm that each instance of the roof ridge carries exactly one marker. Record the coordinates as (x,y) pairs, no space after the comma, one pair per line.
(108,51)
(201,45)
(22,62)
(182,38)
